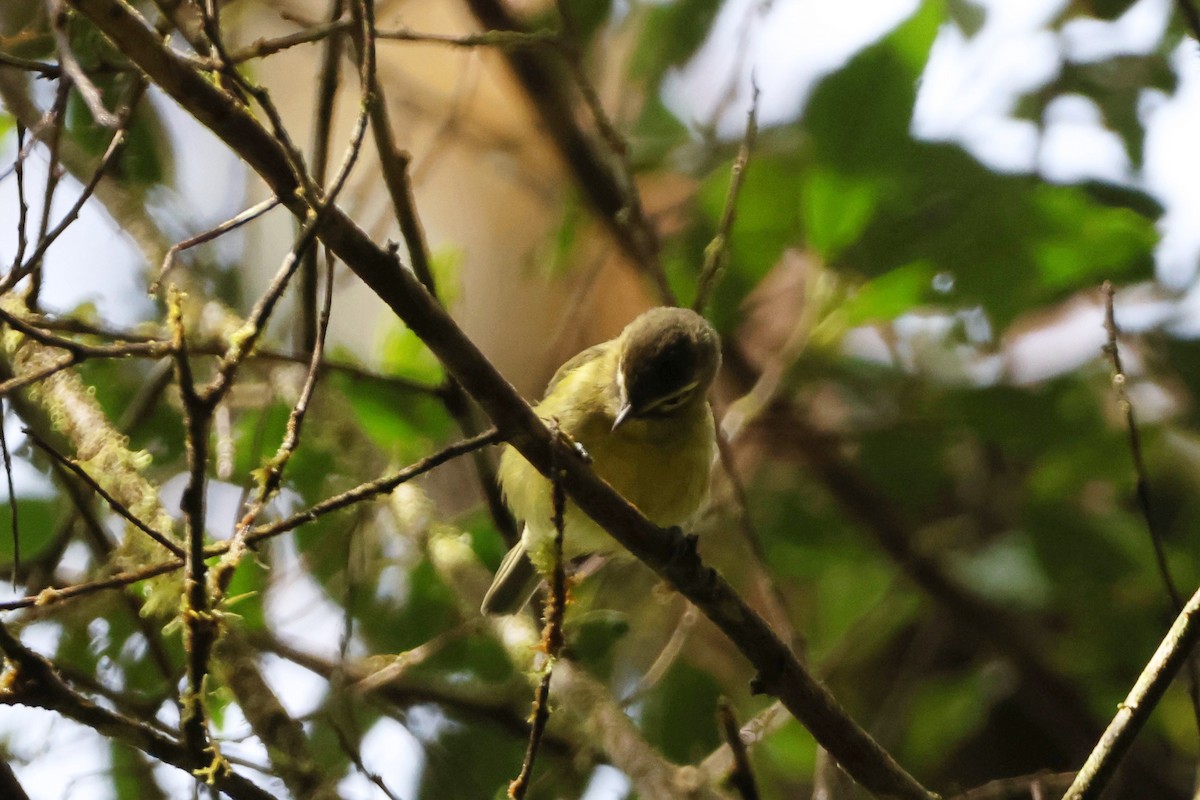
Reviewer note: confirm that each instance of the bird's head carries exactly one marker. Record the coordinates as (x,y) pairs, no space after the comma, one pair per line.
(667,359)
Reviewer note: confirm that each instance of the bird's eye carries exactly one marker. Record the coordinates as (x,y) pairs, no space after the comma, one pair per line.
(671,403)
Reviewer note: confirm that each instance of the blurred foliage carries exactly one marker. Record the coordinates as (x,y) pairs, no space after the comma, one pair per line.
(886,281)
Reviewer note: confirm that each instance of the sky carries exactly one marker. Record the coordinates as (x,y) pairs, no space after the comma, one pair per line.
(967,95)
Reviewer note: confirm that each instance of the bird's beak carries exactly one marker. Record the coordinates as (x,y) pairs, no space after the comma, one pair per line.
(623,414)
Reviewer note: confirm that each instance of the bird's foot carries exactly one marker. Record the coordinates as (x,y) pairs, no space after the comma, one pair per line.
(684,548)
(575,445)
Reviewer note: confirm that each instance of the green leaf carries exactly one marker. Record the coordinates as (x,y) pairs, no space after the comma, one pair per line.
(594,636)
(836,209)
(249,583)
(671,33)
(446,265)
(1109,9)
(406,356)
(768,218)
(945,711)
(680,715)
(589,16)
(146,155)
(1082,243)
(399,421)
(427,610)
(859,116)
(38,521)
(890,295)
(656,133)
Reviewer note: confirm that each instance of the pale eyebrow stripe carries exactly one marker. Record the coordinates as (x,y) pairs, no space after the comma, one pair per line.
(677,394)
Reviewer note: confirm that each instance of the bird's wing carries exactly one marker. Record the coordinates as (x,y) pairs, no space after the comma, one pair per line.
(575,362)
(515,582)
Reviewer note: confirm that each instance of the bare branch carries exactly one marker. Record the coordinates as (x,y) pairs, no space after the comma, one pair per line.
(116,505)
(14,519)
(47,238)
(716,253)
(1132,714)
(606,189)
(66,57)
(262,532)
(237,221)
(286,744)
(1119,381)
(669,555)
(742,776)
(1024,787)
(32,681)
(551,644)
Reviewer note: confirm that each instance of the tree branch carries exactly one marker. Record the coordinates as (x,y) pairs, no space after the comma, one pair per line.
(779,672)
(32,681)
(1132,714)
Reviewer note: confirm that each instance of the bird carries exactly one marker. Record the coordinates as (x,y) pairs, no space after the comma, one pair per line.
(638,407)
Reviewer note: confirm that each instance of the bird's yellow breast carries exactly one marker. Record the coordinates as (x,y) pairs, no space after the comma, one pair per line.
(661,465)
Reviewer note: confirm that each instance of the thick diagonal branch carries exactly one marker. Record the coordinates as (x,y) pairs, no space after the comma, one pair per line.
(779,672)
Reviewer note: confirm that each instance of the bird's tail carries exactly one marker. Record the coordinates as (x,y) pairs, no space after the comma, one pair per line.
(515,582)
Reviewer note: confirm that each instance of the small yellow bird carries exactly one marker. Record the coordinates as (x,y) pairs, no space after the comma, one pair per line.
(638,406)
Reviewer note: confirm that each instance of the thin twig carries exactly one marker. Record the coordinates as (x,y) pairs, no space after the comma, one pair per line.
(742,777)
(243,343)
(1022,787)
(81,351)
(151,347)
(260,533)
(1132,714)
(666,658)
(70,65)
(1119,382)
(27,124)
(274,471)
(405,661)
(115,145)
(273,477)
(552,640)
(492,38)
(22,203)
(12,498)
(670,556)
(355,757)
(33,681)
(56,117)
(30,65)
(240,219)
(632,215)
(395,164)
(210,13)
(316,31)
(12,384)
(720,764)
(199,625)
(327,88)
(52,596)
(262,48)
(717,251)
(607,191)
(118,507)
(769,589)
